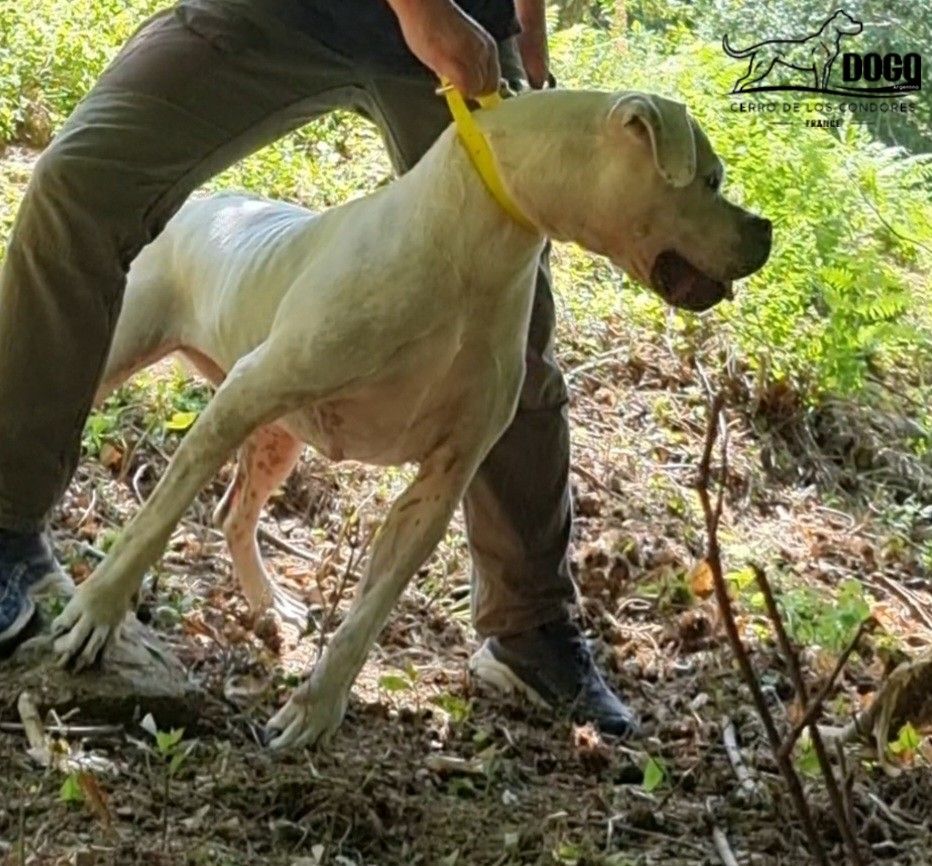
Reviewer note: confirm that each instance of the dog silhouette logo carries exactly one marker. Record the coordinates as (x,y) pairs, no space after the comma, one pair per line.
(814,54)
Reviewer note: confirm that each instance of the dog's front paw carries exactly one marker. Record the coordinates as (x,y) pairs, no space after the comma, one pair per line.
(311,716)
(83,629)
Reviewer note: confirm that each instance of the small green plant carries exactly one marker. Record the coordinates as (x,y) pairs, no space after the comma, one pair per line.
(906,745)
(70,791)
(168,744)
(457,708)
(174,752)
(655,774)
(402,681)
(806,760)
(813,619)
(393,683)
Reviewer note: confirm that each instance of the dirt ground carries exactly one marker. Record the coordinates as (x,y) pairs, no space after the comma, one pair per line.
(430,769)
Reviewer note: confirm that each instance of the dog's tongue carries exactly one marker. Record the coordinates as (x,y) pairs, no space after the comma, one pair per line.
(683,285)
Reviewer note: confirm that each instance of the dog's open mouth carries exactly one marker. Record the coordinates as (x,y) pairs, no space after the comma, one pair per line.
(684,285)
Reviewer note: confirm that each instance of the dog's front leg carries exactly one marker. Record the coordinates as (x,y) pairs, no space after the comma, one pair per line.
(98,608)
(413,528)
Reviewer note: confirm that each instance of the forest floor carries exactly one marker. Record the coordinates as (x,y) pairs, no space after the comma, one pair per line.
(428,767)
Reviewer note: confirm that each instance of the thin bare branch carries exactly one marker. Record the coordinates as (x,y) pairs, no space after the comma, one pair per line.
(847,832)
(713,557)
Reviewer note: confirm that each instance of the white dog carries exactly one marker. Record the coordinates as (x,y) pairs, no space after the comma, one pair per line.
(392,330)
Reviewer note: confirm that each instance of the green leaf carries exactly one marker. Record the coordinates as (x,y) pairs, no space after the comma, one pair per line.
(616,859)
(394,682)
(454,706)
(907,740)
(567,854)
(181,421)
(807,762)
(166,741)
(70,791)
(654,774)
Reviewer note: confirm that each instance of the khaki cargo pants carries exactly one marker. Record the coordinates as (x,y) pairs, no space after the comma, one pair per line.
(198,88)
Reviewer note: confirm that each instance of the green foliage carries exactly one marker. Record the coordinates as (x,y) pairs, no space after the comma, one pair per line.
(457,708)
(655,774)
(394,683)
(889,27)
(169,746)
(811,618)
(163,405)
(51,53)
(70,791)
(805,758)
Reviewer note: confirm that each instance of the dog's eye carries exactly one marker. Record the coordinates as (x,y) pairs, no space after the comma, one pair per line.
(713,181)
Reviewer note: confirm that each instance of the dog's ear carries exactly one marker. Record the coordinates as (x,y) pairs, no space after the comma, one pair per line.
(667,128)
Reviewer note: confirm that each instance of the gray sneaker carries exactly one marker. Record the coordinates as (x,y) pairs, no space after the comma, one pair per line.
(551,665)
(28,569)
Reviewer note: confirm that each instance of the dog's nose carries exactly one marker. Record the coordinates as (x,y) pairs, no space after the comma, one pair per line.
(762,227)
(757,239)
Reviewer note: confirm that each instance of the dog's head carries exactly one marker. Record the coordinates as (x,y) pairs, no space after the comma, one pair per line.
(656,207)
(842,22)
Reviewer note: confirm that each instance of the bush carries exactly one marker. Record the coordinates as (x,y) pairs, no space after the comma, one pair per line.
(51,53)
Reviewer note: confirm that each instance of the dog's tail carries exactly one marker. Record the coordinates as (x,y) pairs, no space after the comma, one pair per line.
(732,52)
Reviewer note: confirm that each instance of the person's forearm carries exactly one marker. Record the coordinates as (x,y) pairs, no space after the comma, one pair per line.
(532,15)
(532,40)
(407,10)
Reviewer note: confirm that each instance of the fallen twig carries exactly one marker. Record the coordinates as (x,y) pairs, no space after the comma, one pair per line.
(725,854)
(35,731)
(733,752)
(68,730)
(284,545)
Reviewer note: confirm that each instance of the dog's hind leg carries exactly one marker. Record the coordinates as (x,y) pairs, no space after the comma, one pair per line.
(758,72)
(247,399)
(265,461)
(413,528)
(740,82)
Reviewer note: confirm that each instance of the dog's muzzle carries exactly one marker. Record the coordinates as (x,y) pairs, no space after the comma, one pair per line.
(680,283)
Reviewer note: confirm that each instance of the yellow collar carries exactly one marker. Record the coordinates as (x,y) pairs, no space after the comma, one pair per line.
(480,154)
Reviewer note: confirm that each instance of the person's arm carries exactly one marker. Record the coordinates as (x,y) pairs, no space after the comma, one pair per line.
(532,41)
(448,41)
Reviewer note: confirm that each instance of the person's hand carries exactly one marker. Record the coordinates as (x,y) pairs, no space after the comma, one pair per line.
(448,41)
(532,41)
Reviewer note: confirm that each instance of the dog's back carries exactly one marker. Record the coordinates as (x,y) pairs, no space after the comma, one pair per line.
(181,292)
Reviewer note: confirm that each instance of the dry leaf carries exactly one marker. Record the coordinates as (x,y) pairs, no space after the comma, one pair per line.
(111,456)
(700,580)
(96,798)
